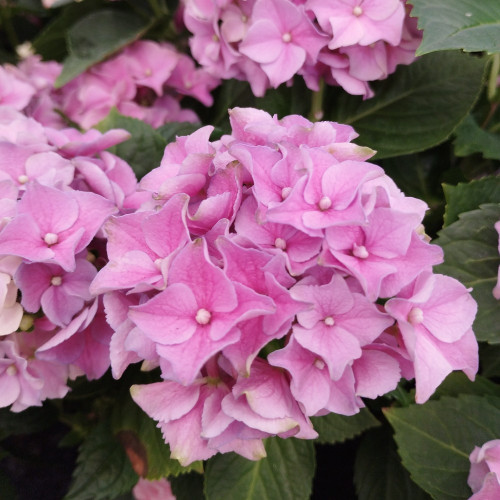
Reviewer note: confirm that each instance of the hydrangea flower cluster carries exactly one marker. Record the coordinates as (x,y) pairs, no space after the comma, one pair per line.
(274,275)
(484,475)
(266,42)
(146,81)
(58,187)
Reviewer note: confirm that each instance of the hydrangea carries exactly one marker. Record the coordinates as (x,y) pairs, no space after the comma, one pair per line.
(484,474)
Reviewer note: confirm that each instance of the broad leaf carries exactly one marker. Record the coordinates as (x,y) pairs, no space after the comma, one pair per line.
(471,255)
(188,486)
(435,440)
(144,150)
(378,473)
(286,472)
(470,25)
(417,107)
(471,138)
(97,36)
(457,383)
(103,470)
(51,41)
(490,360)
(144,444)
(334,428)
(465,197)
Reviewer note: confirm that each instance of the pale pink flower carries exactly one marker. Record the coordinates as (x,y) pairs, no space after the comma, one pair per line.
(484,474)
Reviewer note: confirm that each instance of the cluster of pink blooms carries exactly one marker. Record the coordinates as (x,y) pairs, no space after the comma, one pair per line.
(266,42)
(254,278)
(57,189)
(484,475)
(249,270)
(146,80)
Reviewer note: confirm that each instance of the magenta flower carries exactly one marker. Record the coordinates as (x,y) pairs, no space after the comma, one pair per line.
(435,315)
(280,38)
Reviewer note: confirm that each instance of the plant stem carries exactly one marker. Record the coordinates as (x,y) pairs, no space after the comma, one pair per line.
(317,113)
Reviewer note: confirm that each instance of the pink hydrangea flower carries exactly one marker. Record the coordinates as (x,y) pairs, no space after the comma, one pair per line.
(153,490)
(484,474)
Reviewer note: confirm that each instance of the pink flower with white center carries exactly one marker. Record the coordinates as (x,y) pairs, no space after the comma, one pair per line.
(328,196)
(263,401)
(338,323)
(484,474)
(60,294)
(435,315)
(311,384)
(52,226)
(141,246)
(280,38)
(384,255)
(194,317)
(300,249)
(360,22)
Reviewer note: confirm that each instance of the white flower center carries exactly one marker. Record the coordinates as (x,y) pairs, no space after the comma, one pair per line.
(51,239)
(11,370)
(360,251)
(325,203)
(319,363)
(56,281)
(285,192)
(415,316)
(280,243)
(329,321)
(287,37)
(203,316)
(148,72)
(23,179)
(357,11)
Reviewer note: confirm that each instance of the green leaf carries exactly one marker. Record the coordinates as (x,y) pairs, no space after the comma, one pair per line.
(378,473)
(188,486)
(51,41)
(489,356)
(457,383)
(97,36)
(471,138)
(144,150)
(103,470)
(31,420)
(470,25)
(435,440)
(465,197)
(170,131)
(144,443)
(286,472)
(334,428)
(417,107)
(471,255)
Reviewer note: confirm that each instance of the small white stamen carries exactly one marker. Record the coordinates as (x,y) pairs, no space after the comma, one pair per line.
(188,85)
(416,316)
(56,281)
(287,37)
(203,316)
(51,239)
(360,251)
(280,243)
(357,11)
(325,203)
(244,18)
(468,14)
(11,370)
(148,72)
(158,263)
(23,179)
(319,363)
(329,321)
(285,192)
